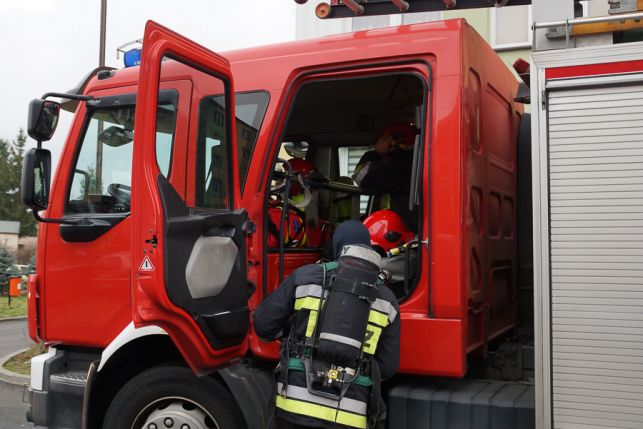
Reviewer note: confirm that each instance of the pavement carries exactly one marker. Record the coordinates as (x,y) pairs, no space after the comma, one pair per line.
(12,409)
(13,338)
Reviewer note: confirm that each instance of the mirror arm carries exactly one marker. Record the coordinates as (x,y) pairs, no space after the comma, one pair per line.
(68,96)
(51,220)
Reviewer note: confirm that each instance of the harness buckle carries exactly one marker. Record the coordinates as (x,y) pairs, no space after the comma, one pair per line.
(332,375)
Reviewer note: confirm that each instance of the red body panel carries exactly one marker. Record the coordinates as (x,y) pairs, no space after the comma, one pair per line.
(489,143)
(32,308)
(466,291)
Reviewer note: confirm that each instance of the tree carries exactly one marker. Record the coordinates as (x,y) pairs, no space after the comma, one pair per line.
(6,265)
(5,179)
(11,207)
(32,264)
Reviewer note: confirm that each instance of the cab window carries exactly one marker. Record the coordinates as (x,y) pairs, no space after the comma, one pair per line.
(250,108)
(212,152)
(102,175)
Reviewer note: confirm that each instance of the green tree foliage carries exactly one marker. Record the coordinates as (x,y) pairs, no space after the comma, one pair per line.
(6,266)
(11,207)
(32,264)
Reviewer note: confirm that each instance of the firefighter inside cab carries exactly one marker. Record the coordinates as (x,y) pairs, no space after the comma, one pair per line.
(385,171)
(340,336)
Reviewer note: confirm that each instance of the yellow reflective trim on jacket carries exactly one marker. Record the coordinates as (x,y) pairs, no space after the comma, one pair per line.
(321,412)
(371,339)
(378,318)
(312,321)
(307,303)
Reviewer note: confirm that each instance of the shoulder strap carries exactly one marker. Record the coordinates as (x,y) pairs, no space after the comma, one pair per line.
(329,265)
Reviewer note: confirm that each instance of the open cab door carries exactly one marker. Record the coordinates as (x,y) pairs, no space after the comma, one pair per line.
(188,244)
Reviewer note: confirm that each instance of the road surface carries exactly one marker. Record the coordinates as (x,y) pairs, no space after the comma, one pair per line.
(12,409)
(13,337)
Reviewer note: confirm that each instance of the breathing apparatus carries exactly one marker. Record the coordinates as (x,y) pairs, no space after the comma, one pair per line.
(335,356)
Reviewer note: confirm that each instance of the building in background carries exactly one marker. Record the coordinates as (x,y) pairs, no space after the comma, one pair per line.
(26,249)
(9,232)
(506,29)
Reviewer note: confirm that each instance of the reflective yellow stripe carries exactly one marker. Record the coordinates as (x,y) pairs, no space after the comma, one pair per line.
(321,412)
(307,303)
(312,321)
(372,337)
(376,321)
(378,318)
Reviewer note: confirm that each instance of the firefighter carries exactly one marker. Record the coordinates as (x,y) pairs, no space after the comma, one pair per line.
(334,350)
(385,171)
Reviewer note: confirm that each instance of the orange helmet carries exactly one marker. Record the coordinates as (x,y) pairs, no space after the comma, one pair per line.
(387,230)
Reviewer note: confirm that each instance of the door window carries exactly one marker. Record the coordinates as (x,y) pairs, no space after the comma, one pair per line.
(102,176)
(212,155)
(165,123)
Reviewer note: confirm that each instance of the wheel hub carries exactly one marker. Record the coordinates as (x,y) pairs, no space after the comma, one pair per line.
(178,413)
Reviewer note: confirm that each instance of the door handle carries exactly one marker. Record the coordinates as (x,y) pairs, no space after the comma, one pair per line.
(85,230)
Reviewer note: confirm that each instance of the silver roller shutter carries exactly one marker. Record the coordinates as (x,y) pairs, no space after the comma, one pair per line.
(596,252)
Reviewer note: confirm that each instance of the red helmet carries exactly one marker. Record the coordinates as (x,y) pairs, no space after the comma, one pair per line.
(387,230)
(403,133)
(304,168)
(294,233)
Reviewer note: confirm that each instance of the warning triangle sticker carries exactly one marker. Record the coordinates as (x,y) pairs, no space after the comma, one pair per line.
(146,264)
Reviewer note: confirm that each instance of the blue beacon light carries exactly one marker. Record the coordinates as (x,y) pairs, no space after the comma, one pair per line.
(132,57)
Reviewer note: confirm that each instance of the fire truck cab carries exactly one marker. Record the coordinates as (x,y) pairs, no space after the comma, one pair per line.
(156,243)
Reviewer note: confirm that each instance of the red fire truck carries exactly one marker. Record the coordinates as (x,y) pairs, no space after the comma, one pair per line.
(154,250)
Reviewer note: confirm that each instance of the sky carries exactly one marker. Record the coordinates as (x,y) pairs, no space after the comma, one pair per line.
(50,45)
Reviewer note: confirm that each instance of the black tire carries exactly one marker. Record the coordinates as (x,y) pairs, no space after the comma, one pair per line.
(174,392)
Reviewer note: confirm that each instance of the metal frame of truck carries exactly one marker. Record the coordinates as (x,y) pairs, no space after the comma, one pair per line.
(554,75)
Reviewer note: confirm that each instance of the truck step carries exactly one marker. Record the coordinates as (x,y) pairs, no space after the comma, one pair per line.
(70,382)
(64,378)
(461,404)
(75,378)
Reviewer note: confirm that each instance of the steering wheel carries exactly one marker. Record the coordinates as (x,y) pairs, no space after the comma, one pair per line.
(121,193)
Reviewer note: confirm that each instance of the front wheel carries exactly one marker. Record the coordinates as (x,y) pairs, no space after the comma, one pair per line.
(173,397)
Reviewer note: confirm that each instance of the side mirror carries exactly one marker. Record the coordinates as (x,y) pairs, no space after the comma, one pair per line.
(43,118)
(34,187)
